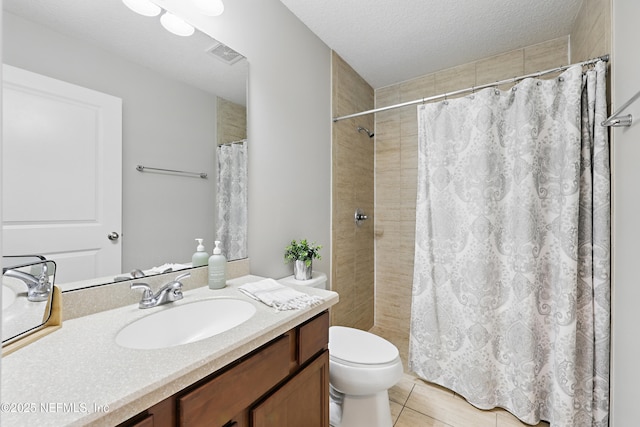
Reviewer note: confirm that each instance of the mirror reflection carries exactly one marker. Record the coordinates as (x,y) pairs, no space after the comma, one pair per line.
(96,215)
(26,294)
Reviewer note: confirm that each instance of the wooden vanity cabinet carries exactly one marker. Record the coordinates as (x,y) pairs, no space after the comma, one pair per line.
(283,383)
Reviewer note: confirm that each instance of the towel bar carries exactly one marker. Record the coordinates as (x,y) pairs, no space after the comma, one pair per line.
(200,174)
(615,121)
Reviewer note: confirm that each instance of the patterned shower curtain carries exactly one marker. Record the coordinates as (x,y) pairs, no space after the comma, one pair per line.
(232,200)
(512,260)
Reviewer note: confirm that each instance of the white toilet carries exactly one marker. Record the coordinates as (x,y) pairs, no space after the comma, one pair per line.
(362,367)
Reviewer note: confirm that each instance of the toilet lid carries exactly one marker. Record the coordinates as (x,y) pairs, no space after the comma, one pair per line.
(357,346)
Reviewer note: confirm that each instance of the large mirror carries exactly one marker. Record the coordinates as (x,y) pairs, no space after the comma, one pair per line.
(179,99)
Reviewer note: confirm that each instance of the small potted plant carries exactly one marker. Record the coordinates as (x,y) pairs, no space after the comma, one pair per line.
(302,255)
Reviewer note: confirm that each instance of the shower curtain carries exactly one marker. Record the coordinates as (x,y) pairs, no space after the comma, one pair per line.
(512,261)
(232,200)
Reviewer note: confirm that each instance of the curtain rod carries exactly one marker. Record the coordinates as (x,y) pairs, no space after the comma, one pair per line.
(604,58)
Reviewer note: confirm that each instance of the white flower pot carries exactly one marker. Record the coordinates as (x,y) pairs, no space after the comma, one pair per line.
(301,271)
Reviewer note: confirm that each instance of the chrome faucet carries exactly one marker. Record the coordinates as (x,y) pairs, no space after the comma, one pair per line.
(170,292)
(38,288)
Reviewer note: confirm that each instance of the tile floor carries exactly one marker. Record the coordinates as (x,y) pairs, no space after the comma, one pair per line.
(415,403)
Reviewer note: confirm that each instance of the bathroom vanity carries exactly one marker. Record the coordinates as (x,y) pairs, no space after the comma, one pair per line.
(283,383)
(273,369)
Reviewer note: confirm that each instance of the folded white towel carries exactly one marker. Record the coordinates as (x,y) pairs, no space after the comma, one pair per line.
(279,296)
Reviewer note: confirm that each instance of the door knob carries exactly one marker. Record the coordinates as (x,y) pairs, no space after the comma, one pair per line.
(113,236)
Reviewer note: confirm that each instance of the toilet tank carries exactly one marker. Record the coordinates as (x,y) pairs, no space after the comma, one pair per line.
(318,280)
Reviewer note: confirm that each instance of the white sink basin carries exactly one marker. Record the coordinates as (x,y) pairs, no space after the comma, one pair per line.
(8,296)
(186,323)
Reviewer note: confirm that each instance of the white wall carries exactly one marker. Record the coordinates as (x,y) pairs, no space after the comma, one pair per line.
(166,124)
(289,132)
(626,217)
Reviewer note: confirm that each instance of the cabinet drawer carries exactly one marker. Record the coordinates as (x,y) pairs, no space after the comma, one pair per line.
(313,337)
(219,400)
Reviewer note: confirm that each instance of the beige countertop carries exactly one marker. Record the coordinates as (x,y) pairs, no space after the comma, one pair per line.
(79,376)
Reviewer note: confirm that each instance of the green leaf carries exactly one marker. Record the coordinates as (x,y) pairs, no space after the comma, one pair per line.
(302,251)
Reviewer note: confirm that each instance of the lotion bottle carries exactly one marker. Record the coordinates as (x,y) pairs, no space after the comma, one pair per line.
(217,269)
(200,257)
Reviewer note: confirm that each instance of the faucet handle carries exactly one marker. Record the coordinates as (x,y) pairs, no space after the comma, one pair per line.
(175,287)
(146,288)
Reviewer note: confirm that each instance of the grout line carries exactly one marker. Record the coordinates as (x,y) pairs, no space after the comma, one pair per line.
(408,395)
(404,405)
(399,415)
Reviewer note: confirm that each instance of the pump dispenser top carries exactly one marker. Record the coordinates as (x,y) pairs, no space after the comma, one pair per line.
(200,257)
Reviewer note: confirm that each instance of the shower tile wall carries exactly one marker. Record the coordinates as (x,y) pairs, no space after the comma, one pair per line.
(396,172)
(352,251)
(231,121)
(591,35)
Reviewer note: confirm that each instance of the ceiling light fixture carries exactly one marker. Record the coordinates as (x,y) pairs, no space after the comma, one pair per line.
(210,7)
(171,22)
(143,7)
(176,25)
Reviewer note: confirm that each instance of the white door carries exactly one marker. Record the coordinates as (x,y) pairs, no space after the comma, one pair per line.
(62,174)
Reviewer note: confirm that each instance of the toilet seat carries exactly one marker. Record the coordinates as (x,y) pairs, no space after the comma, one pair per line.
(369,367)
(356,347)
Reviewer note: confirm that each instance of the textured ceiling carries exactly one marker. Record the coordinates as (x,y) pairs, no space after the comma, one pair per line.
(389,41)
(385,41)
(110,25)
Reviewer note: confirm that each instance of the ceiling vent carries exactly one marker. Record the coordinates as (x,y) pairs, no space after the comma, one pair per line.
(224,53)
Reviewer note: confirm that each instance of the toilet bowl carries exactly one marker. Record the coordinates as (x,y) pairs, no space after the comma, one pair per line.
(362,367)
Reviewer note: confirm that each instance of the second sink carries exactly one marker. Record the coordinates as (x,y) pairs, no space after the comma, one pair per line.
(185,323)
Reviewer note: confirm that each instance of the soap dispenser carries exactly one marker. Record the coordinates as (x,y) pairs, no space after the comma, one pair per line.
(200,257)
(217,268)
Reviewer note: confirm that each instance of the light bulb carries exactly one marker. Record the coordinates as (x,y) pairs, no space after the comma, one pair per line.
(143,7)
(210,7)
(176,25)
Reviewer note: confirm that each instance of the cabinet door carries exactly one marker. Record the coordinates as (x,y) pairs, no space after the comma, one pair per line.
(218,401)
(301,401)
